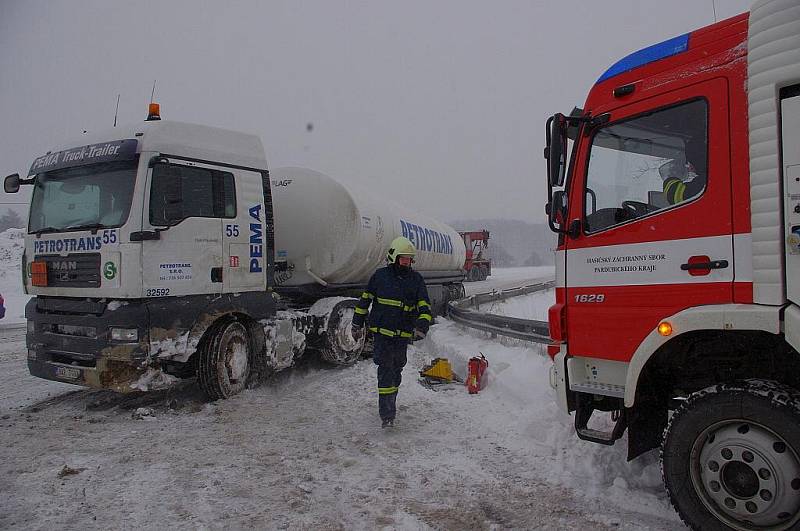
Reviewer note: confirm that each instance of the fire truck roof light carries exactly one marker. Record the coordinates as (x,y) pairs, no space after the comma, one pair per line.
(653,53)
(664,328)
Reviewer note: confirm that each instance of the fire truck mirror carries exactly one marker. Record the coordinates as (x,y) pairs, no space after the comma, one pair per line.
(558,207)
(556,149)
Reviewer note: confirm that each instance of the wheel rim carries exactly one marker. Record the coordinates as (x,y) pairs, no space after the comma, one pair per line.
(236,359)
(746,475)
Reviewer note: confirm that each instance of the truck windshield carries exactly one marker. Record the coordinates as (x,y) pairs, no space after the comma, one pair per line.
(95,196)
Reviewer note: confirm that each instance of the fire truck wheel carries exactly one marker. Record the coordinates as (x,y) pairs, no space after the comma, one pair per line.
(224,362)
(731,457)
(340,347)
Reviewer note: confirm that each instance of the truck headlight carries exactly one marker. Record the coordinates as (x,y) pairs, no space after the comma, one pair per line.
(125,334)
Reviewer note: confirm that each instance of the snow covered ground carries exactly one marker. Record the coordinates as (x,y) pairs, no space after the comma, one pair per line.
(11,247)
(531,306)
(304,450)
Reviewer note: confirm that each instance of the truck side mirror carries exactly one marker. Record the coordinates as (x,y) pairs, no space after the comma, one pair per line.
(557,208)
(11,184)
(556,149)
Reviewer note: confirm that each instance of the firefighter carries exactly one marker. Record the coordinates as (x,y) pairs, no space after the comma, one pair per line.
(681,180)
(401,312)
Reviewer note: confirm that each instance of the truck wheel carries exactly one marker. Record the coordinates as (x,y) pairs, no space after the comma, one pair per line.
(340,348)
(459,292)
(731,457)
(224,362)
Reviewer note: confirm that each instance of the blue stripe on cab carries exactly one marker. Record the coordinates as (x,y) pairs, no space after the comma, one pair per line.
(647,55)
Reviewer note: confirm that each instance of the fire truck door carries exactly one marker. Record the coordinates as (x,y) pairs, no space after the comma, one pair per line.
(654,201)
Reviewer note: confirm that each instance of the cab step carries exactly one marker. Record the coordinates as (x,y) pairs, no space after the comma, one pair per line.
(584,412)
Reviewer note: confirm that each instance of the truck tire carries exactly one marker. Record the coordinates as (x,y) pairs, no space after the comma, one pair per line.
(225,360)
(731,457)
(455,292)
(339,347)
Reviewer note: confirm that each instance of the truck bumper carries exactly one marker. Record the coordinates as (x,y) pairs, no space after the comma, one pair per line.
(69,340)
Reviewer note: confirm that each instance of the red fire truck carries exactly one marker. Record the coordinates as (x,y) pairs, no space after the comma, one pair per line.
(678,265)
(478,265)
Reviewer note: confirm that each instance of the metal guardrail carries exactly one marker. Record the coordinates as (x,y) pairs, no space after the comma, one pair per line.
(466,312)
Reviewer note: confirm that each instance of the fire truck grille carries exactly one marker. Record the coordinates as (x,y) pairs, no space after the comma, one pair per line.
(73,270)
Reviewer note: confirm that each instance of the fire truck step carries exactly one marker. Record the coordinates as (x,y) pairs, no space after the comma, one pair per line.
(584,412)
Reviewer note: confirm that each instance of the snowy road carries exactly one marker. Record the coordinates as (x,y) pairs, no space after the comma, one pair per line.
(304,451)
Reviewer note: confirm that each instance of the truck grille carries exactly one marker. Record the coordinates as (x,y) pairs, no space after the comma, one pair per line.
(73,270)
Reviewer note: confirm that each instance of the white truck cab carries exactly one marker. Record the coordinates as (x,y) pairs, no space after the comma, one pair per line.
(139,239)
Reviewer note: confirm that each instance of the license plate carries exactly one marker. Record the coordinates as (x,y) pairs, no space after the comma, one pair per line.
(68,372)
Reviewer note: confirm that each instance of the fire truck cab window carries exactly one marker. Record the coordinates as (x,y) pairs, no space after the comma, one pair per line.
(646,164)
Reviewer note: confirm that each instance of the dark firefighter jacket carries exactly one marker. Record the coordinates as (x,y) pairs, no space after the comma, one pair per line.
(399,302)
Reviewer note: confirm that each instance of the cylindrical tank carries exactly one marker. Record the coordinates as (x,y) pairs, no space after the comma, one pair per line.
(324,232)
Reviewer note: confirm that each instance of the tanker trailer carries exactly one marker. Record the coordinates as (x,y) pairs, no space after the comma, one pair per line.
(329,240)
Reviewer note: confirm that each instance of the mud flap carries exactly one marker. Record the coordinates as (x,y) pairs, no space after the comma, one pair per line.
(647,422)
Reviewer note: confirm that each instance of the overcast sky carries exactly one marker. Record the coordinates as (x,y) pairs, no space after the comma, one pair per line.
(439,105)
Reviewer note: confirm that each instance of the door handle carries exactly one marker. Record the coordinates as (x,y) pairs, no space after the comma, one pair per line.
(711,264)
(142,235)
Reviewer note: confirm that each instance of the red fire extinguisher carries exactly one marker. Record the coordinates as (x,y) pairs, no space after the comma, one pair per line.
(475,369)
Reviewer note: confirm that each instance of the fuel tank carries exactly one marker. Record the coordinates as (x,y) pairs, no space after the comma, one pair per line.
(328,234)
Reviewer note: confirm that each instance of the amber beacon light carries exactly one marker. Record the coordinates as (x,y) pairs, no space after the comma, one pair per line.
(664,328)
(154,112)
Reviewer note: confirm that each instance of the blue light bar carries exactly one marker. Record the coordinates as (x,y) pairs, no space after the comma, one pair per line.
(647,55)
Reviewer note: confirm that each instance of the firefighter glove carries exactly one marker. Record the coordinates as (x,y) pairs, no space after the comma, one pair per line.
(419,334)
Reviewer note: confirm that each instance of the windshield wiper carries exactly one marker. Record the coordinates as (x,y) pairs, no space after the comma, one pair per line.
(46,229)
(92,226)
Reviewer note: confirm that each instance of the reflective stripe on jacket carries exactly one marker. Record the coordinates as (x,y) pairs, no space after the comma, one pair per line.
(677,191)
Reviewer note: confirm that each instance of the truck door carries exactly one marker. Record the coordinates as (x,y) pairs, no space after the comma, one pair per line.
(246,244)
(182,252)
(652,193)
